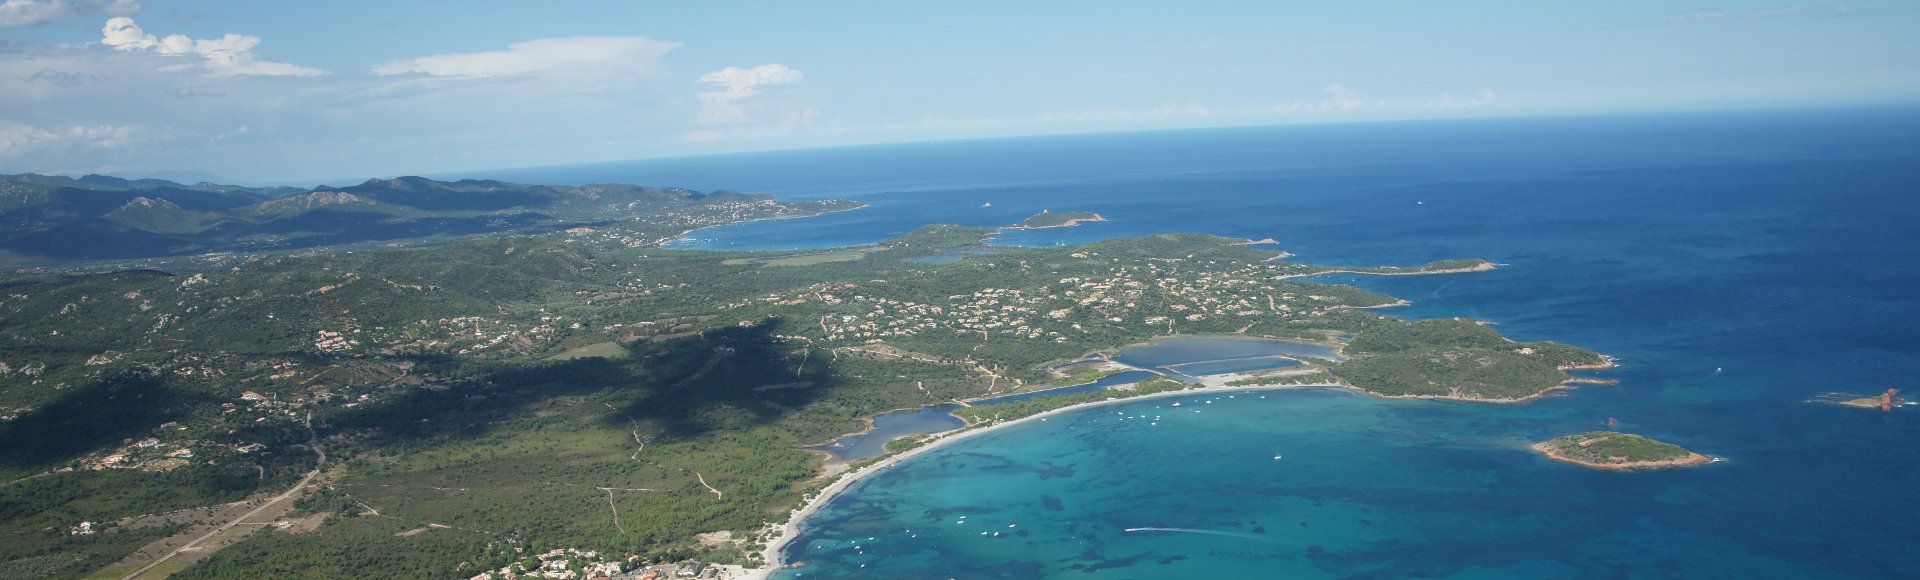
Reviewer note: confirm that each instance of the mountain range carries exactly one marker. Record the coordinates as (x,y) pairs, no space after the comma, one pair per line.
(47,220)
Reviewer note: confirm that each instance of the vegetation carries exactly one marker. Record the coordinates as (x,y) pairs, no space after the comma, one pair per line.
(1038,405)
(1455,358)
(1046,219)
(58,220)
(1606,448)
(523,390)
(1317,377)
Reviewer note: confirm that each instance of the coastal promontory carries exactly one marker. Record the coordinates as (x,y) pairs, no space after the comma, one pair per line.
(1047,219)
(1610,450)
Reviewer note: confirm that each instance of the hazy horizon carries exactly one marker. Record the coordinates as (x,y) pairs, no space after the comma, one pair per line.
(313,92)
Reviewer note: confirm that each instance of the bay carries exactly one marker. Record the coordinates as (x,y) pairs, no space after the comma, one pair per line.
(1738,264)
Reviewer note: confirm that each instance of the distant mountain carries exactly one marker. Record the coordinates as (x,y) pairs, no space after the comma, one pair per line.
(53,220)
(297,204)
(157,215)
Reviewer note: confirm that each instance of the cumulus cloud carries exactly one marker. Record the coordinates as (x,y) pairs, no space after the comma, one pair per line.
(1448,102)
(1339,99)
(734,84)
(577,55)
(228,55)
(19,13)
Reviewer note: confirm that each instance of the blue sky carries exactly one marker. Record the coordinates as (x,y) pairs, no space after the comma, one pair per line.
(296,91)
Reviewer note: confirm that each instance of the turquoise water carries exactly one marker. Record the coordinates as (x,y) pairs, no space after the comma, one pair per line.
(1180,351)
(1101,384)
(938,418)
(1233,365)
(1737,264)
(1365,488)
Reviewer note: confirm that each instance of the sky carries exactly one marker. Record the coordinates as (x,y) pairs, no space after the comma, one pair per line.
(299,91)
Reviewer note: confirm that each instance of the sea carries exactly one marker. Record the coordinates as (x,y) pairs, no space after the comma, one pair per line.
(1743,267)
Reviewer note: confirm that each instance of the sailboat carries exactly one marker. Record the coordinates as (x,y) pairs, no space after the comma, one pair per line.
(1276,455)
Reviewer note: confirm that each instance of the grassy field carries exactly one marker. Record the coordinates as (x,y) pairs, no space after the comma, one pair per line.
(607,349)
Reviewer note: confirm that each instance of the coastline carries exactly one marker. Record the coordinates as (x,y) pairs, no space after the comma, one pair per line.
(682,236)
(1107,354)
(1075,222)
(1691,460)
(1506,401)
(786,533)
(1482,267)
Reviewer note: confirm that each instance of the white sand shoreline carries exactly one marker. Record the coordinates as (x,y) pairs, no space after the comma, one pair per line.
(788,532)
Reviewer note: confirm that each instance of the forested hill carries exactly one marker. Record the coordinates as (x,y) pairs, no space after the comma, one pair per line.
(60,221)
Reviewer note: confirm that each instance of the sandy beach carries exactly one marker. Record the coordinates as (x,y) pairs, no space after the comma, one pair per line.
(786,533)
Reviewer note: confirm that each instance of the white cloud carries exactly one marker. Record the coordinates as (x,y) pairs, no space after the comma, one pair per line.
(577,55)
(18,138)
(1339,99)
(1448,102)
(231,54)
(792,121)
(736,83)
(19,13)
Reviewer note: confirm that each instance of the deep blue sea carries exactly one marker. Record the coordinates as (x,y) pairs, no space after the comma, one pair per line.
(1738,265)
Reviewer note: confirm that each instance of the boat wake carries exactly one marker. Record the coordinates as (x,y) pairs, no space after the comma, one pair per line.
(1207,532)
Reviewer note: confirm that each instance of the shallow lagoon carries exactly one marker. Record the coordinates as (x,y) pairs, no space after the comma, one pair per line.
(939,419)
(1176,351)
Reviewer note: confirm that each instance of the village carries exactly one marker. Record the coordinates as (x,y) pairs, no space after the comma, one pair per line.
(575,564)
(1159,293)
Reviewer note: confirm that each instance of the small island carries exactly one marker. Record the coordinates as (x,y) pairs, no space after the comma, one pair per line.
(1609,450)
(1885,401)
(1047,219)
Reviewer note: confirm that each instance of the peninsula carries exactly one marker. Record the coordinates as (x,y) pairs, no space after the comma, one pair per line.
(1620,451)
(1047,219)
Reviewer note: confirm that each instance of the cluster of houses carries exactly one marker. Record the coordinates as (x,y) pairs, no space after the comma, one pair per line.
(1154,292)
(332,342)
(137,456)
(573,564)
